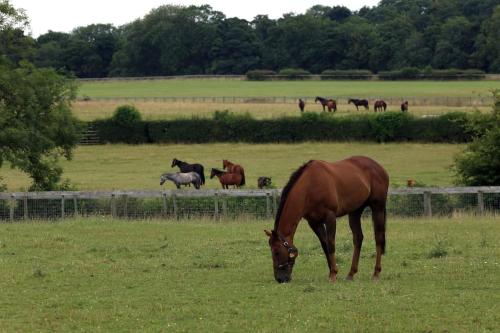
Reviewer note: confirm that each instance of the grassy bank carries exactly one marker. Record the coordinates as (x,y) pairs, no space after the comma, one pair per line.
(102,275)
(109,167)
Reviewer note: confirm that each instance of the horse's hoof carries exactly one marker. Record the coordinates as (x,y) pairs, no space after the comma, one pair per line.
(333,279)
(375,278)
(349,278)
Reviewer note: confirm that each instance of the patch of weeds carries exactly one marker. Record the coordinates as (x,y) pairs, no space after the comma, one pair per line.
(404,263)
(309,289)
(210,265)
(438,250)
(484,242)
(37,273)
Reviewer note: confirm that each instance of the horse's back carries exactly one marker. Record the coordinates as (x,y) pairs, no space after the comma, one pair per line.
(346,185)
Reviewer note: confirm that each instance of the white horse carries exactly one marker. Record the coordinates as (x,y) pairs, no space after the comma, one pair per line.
(181,178)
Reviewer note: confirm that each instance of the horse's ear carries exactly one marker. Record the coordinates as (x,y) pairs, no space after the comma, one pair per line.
(268,233)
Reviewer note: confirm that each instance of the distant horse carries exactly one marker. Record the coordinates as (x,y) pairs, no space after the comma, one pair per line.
(329,103)
(321,192)
(180,178)
(186,167)
(227,178)
(404,106)
(234,168)
(380,105)
(302,105)
(358,102)
(263,182)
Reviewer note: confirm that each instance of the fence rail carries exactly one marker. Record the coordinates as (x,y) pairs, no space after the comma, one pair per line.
(413,101)
(227,203)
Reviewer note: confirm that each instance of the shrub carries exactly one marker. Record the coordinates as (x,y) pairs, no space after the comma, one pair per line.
(126,115)
(260,74)
(351,74)
(294,74)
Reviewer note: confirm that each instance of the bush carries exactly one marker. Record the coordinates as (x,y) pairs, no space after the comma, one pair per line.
(126,115)
(294,74)
(260,74)
(351,74)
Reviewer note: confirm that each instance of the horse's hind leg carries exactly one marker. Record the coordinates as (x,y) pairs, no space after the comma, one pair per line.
(357,239)
(379,221)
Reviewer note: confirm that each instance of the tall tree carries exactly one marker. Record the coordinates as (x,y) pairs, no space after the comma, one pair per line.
(36,124)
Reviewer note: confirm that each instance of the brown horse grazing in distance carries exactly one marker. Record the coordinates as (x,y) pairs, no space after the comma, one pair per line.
(321,192)
(380,106)
(359,102)
(404,106)
(226,178)
(234,168)
(302,105)
(331,105)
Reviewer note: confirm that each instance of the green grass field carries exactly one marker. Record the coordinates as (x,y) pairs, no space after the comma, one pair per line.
(99,275)
(160,88)
(116,167)
(152,110)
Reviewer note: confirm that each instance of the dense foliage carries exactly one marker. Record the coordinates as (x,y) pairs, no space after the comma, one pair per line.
(227,127)
(176,40)
(36,124)
(479,164)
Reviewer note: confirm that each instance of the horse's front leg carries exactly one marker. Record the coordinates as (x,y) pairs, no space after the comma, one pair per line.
(331,229)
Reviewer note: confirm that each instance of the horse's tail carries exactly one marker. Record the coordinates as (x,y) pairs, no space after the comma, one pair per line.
(242,177)
(202,176)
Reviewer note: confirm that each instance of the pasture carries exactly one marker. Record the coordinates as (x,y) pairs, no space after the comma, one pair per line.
(188,88)
(159,110)
(120,167)
(100,275)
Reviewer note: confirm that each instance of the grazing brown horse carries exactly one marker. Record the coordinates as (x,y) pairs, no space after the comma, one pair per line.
(358,102)
(321,192)
(263,182)
(404,106)
(302,105)
(234,168)
(380,105)
(329,103)
(226,178)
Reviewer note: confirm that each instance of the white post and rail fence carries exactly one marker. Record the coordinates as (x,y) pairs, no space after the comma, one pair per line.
(217,204)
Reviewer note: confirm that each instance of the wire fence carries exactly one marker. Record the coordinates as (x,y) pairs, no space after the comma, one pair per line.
(455,101)
(230,204)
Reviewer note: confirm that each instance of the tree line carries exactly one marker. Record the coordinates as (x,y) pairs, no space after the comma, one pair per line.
(178,40)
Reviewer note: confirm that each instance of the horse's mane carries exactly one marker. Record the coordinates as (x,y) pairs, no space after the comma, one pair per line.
(286,190)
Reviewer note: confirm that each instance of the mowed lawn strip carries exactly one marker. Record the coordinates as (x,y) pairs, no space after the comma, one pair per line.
(117,167)
(105,275)
(354,89)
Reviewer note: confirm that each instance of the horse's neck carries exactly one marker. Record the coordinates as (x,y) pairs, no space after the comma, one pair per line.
(290,217)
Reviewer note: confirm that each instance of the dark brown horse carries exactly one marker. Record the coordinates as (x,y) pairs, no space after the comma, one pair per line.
(329,103)
(227,178)
(404,106)
(380,105)
(234,168)
(321,192)
(186,167)
(263,182)
(358,102)
(302,105)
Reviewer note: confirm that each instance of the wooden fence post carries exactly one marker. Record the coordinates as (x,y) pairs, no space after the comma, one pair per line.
(216,203)
(174,202)
(427,204)
(25,206)
(480,202)
(164,205)
(75,205)
(113,205)
(62,206)
(12,202)
(268,205)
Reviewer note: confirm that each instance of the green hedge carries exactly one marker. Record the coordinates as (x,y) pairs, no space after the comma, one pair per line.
(413,73)
(227,127)
(353,74)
